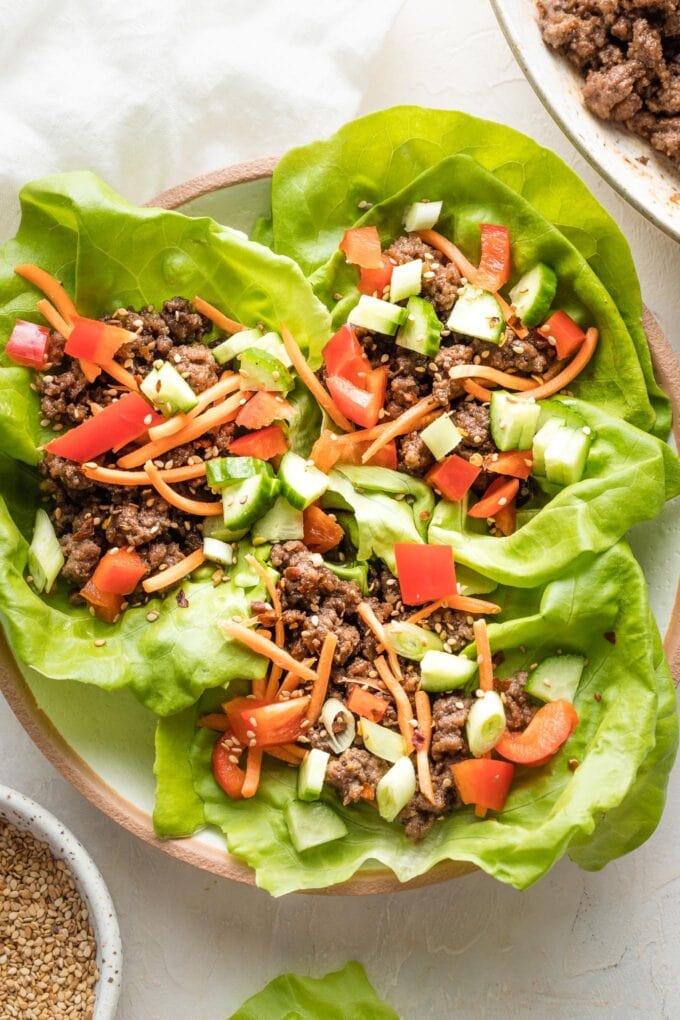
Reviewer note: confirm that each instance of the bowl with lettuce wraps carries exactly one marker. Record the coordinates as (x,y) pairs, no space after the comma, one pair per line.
(327,530)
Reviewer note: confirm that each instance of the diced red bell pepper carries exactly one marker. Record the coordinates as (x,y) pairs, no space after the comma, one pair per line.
(364,703)
(106,604)
(118,424)
(361,246)
(505,519)
(343,355)
(551,727)
(327,452)
(359,405)
(119,571)
(227,773)
(494,266)
(453,477)
(516,463)
(426,572)
(567,334)
(483,782)
(95,341)
(374,281)
(270,723)
(265,443)
(321,531)
(262,409)
(385,457)
(501,492)
(28,344)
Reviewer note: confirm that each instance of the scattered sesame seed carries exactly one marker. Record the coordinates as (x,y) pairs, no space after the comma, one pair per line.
(152,616)
(99,642)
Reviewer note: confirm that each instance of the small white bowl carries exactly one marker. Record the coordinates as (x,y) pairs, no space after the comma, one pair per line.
(27,816)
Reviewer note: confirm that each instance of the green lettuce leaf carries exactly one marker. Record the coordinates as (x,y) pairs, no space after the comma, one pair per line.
(320,189)
(342,995)
(628,476)
(178,810)
(625,744)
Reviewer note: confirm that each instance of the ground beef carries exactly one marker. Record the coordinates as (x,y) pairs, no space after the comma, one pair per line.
(452,626)
(441,279)
(531,356)
(449,715)
(81,559)
(519,709)
(413,455)
(629,53)
(407,379)
(472,419)
(197,365)
(133,525)
(420,814)
(444,389)
(355,773)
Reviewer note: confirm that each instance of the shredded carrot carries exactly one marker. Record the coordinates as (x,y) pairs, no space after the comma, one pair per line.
(322,395)
(424,716)
(463,603)
(404,711)
(227,384)
(218,415)
(89,370)
(290,753)
(504,379)
(263,646)
(169,427)
(366,613)
(216,316)
(279,635)
(292,680)
(50,287)
(166,578)
(483,655)
(49,312)
(215,721)
(472,387)
(323,672)
(253,769)
(121,375)
(404,423)
(189,506)
(259,688)
(480,811)
(574,368)
(112,476)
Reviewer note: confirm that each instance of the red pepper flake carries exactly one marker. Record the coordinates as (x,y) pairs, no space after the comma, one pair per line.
(610,636)
(597,696)
(573,764)
(182,600)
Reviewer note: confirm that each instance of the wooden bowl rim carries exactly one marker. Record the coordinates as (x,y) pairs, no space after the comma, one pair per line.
(195,851)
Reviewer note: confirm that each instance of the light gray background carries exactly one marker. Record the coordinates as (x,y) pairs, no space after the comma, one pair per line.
(577,945)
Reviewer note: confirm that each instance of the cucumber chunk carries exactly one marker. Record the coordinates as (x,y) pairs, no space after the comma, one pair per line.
(217,550)
(395,789)
(566,456)
(351,572)
(247,501)
(376,315)
(168,391)
(421,331)
(224,471)
(542,440)
(556,678)
(214,527)
(513,420)
(422,215)
(283,523)
(476,313)
(311,825)
(45,558)
(260,370)
(411,641)
(406,280)
(234,345)
(301,482)
(533,294)
(442,671)
(441,437)
(312,774)
(485,723)
(382,742)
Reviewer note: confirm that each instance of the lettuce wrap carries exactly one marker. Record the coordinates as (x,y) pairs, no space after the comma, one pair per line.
(623,747)
(319,190)
(109,254)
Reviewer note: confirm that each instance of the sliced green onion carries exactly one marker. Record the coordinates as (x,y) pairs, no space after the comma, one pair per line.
(382,742)
(312,774)
(410,640)
(333,709)
(485,723)
(45,558)
(396,788)
(219,551)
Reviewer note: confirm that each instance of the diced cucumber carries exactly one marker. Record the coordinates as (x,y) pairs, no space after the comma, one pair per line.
(311,825)
(301,482)
(312,774)
(411,641)
(351,572)
(556,678)
(542,440)
(45,558)
(168,391)
(566,456)
(234,345)
(283,523)
(470,582)
(274,345)
(376,315)
(441,436)
(485,723)
(513,420)
(214,527)
(406,280)
(217,550)
(382,742)
(395,789)
(260,370)
(422,215)
(224,471)
(442,671)
(533,294)
(247,501)
(421,331)
(476,313)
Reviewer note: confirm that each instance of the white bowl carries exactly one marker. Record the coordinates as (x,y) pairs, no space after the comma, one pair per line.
(27,816)
(640,174)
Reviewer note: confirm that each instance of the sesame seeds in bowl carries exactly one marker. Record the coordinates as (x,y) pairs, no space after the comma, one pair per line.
(60,951)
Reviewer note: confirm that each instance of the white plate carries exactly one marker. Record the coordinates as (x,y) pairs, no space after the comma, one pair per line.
(643,177)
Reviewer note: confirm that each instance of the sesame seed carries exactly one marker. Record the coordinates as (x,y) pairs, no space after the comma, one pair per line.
(152,616)
(99,642)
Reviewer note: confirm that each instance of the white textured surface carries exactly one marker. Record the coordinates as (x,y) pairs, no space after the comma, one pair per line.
(577,945)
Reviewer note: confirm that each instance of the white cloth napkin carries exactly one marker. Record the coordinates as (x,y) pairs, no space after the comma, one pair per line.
(150,93)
